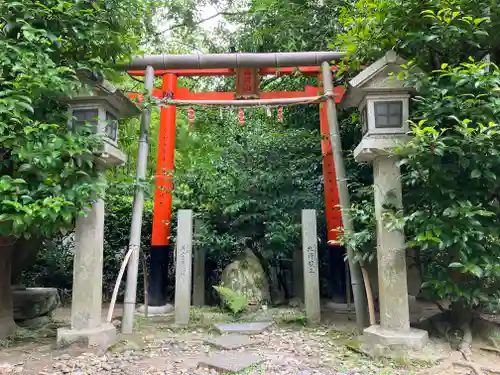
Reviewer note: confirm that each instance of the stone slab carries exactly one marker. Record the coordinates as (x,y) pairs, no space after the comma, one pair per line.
(230,361)
(252,328)
(102,336)
(156,310)
(30,303)
(232,341)
(377,336)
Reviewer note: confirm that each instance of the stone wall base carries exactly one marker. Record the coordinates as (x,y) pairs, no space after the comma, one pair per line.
(102,336)
(378,337)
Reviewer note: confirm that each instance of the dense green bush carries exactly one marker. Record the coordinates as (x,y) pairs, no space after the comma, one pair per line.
(54,266)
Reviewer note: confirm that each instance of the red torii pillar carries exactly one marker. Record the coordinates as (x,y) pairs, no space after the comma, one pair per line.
(165,165)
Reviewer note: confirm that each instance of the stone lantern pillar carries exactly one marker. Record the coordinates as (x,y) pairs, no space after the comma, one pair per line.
(383,102)
(102,106)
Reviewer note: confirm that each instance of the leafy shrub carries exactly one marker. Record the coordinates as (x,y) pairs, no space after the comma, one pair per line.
(54,265)
(234,301)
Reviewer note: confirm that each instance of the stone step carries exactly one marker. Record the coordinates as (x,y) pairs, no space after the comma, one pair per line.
(230,361)
(251,328)
(232,341)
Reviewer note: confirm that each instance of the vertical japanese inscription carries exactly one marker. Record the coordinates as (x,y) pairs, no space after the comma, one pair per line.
(183,254)
(312,263)
(183,266)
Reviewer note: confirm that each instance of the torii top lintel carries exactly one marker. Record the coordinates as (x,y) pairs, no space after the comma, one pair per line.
(304,70)
(231,60)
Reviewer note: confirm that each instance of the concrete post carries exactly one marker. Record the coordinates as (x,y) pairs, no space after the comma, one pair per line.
(311,269)
(86,315)
(198,267)
(184,248)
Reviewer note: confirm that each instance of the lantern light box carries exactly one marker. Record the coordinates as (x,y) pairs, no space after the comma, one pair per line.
(102,106)
(383,102)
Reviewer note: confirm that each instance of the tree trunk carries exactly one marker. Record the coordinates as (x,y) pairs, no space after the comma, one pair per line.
(7,324)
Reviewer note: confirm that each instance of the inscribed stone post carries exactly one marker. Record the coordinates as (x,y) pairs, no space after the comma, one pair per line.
(391,256)
(198,267)
(183,266)
(311,271)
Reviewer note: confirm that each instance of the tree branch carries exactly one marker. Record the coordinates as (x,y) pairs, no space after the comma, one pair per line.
(186,24)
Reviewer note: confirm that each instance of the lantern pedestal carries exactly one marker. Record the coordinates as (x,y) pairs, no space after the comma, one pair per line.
(394,332)
(86,315)
(102,336)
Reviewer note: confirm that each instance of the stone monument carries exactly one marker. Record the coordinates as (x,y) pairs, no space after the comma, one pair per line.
(102,105)
(310,264)
(383,102)
(183,266)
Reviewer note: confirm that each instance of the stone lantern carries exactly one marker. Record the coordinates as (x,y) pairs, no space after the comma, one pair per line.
(101,106)
(383,102)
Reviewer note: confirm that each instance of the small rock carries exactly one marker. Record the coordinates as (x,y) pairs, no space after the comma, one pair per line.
(106,367)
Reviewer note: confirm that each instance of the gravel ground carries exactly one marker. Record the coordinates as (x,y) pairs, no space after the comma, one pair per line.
(286,351)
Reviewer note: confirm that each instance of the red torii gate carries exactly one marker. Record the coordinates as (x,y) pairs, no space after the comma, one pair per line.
(166,139)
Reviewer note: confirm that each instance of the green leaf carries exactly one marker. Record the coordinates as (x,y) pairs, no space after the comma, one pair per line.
(475,173)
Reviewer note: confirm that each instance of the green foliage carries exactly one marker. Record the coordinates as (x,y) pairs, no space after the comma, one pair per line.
(364,240)
(234,301)
(249,183)
(432,31)
(294,319)
(48,174)
(450,166)
(456,141)
(54,266)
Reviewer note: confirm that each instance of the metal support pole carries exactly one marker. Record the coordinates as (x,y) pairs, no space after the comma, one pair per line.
(137,210)
(345,203)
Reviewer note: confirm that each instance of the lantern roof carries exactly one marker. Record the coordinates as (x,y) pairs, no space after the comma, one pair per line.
(379,77)
(99,90)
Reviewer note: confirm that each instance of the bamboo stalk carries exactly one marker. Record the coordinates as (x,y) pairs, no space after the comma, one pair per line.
(146,283)
(348,291)
(345,202)
(369,296)
(137,211)
(117,285)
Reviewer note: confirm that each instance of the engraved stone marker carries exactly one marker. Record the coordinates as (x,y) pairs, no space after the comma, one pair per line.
(183,266)
(311,271)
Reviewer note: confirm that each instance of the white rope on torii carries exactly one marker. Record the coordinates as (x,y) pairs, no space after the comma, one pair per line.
(245,103)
